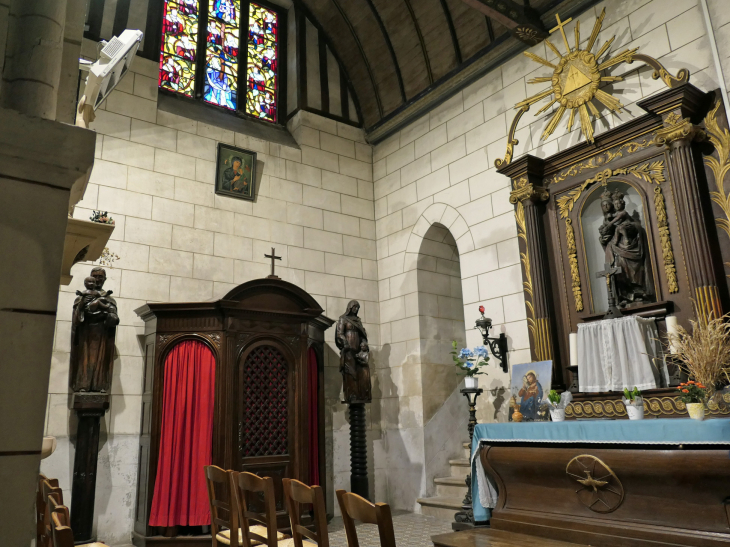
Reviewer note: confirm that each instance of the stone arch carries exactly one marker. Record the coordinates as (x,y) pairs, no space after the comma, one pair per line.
(446,216)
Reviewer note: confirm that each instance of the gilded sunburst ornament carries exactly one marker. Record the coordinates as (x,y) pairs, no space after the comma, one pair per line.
(576,79)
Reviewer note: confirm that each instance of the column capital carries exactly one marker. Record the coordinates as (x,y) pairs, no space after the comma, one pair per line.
(527,191)
(677,129)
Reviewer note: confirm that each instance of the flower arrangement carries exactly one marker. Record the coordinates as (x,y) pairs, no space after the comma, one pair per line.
(692,392)
(470,361)
(705,353)
(554,398)
(634,403)
(102,217)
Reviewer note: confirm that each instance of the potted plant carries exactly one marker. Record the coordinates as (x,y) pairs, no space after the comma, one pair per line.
(693,395)
(634,403)
(470,363)
(557,411)
(703,354)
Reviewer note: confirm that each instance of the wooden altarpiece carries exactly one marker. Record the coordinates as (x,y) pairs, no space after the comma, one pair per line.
(675,158)
(265,314)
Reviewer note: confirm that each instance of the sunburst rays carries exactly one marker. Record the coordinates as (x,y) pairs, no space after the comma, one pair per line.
(587,108)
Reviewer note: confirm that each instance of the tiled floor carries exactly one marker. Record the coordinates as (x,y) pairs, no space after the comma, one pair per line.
(411,530)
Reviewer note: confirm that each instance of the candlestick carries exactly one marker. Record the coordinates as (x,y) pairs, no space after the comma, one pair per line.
(672,332)
(573,349)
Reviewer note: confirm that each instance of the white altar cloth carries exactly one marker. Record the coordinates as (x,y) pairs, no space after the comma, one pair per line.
(618,353)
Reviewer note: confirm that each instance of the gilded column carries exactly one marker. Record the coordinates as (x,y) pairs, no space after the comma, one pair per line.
(529,201)
(677,135)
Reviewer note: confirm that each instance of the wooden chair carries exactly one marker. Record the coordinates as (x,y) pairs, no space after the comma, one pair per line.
(354,507)
(61,531)
(40,505)
(54,492)
(297,493)
(265,533)
(223,517)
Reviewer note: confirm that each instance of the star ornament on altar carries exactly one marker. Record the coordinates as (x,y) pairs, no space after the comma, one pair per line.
(576,79)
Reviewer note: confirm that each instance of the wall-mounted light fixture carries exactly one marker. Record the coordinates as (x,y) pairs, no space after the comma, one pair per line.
(498,346)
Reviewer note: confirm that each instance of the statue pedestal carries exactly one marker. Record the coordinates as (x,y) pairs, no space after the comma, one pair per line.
(90,408)
(358,451)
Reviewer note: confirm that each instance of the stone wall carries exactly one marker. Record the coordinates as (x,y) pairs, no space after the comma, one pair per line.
(440,171)
(342,236)
(177,241)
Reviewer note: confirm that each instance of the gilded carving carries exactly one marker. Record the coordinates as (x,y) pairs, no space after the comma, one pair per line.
(601,491)
(523,190)
(676,129)
(667,253)
(653,406)
(720,138)
(573,260)
(601,159)
(576,80)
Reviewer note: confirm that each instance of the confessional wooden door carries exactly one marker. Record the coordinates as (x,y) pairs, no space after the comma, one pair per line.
(266,411)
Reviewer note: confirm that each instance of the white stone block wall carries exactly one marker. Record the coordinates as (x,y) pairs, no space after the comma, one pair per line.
(440,170)
(178,241)
(342,236)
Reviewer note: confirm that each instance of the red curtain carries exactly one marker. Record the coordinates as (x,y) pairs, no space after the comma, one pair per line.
(186,439)
(313,391)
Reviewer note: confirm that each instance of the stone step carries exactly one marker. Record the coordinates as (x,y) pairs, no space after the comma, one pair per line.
(460,467)
(440,506)
(450,487)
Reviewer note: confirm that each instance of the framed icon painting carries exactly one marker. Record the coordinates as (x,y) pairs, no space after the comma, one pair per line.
(235,173)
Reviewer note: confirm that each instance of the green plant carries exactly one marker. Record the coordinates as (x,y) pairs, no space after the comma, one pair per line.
(692,392)
(554,397)
(469,361)
(632,395)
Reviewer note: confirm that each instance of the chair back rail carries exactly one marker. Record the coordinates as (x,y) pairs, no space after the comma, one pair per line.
(40,505)
(243,482)
(354,507)
(221,504)
(61,531)
(48,490)
(297,494)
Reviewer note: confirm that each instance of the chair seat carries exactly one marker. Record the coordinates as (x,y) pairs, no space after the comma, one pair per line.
(225,536)
(290,543)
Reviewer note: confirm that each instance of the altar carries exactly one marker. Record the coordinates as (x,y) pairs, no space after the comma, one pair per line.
(606,482)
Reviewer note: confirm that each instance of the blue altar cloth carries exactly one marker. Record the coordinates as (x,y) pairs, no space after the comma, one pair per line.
(669,431)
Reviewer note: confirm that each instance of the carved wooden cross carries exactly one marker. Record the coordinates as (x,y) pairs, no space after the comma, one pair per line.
(273,257)
(608,272)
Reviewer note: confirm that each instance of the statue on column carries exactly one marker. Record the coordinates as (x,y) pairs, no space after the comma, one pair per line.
(93,329)
(352,341)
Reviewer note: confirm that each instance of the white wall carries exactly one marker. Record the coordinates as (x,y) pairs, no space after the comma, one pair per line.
(341,236)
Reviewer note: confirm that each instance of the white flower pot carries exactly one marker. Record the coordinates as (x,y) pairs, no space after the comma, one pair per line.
(635,410)
(472,382)
(557,414)
(696,410)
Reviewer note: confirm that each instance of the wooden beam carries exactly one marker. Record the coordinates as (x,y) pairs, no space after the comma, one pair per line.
(523,22)
(386,37)
(421,40)
(452,31)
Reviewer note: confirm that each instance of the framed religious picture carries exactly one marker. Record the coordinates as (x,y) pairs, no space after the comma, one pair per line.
(235,173)
(529,387)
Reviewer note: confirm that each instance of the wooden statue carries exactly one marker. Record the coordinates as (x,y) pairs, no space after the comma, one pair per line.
(622,237)
(352,341)
(93,328)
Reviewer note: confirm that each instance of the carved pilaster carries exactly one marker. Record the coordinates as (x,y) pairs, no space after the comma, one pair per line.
(678,136)
(529,197)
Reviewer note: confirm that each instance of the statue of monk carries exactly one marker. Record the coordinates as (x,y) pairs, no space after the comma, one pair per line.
(352,341)
(93,328)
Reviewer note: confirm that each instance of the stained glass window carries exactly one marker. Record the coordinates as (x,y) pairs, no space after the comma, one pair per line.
(221,53)
(217,25)
(179,45)
(263,58)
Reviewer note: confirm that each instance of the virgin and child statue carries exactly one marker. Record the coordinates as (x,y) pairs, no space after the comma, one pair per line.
(93,328)
(352,341)
(624,242)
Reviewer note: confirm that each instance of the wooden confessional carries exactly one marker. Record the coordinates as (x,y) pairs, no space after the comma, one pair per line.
(260,334)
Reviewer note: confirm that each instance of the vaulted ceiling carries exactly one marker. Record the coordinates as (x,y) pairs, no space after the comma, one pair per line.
(395,51)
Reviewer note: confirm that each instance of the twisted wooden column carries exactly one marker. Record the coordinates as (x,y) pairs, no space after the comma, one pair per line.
(358,451)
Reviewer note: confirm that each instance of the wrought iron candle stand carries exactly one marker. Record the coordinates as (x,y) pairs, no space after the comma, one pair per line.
(464,519)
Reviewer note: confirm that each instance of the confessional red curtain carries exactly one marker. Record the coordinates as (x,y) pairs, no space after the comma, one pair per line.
(186,439)
(313,389)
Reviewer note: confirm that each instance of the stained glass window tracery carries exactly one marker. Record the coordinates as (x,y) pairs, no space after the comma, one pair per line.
(228,73)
